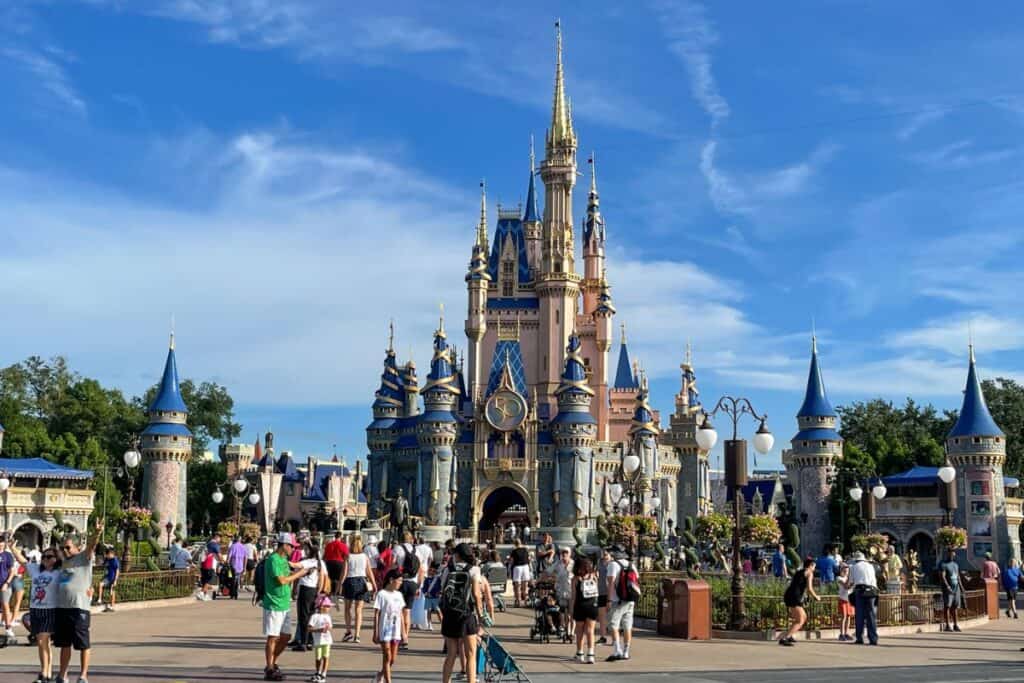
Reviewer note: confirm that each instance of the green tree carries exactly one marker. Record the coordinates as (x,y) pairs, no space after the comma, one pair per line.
(1005,399)
(210,417)
(895,439)
(203,478)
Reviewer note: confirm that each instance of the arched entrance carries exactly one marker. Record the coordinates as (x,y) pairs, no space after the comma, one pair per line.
(29,536)
(503,504)
(925,547)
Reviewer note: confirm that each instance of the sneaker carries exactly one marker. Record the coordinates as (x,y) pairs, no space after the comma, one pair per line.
(787,642)
(602,641)
(625,655)
(957,629)
(613,658)
(590,658)
(41,679)
(580,657)
(83,680)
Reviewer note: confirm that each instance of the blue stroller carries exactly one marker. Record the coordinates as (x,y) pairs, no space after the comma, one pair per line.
(495,663)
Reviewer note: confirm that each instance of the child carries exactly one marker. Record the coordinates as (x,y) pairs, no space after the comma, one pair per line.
(109,581)
(845,607)
(432,593)
(320,624)
(387,622)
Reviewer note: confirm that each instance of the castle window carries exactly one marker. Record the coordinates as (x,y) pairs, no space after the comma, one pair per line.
(977,440)
(805,444)
(506,288)
(507,269)
(824,443)
(587,368)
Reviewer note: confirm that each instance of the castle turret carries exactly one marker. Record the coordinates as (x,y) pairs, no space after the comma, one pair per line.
(593,245)
(531,220)
(558,284)
(477,281)
(976,447)
(381,434)
(643,442)
(437,430)
(693,490)
(166,449)
(574,430)
(603,314)
(621,394)
(410,385)
(237,457)
(816,447)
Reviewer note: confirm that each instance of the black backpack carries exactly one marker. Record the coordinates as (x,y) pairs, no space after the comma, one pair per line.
(410,563)
(259,582)
(457,593)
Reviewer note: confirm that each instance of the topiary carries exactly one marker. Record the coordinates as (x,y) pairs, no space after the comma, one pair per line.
(602,532)
(791,539)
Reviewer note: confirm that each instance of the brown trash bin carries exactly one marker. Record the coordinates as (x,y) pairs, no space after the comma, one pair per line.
(684,610)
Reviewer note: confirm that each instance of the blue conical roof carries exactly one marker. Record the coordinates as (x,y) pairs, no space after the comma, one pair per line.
(531,214)
(815,401)
(974,420)
(390,391)
(624,378)
(168,398)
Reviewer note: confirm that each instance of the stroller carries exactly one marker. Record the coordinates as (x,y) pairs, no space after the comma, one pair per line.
(494,663)
(550,616)
(497,579)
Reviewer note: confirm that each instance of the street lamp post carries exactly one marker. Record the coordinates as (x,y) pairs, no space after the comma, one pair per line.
(132,458)
(867,504)
(170,527)
(238,487)
(736,478)
(947,492)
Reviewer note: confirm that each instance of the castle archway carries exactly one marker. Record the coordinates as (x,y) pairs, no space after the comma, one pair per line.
(503,503)
(925,547)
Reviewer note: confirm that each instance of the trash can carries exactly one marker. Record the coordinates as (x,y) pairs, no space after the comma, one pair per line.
(684,610)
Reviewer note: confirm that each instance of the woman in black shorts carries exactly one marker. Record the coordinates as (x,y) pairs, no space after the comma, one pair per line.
(356,583)
(795,597)
(583,607)
(460,624)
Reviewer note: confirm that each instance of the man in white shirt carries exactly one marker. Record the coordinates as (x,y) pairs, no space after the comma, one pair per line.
(371,551)
(865,597)
(426,555)
(620,613)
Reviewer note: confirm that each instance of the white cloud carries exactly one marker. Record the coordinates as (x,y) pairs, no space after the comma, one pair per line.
(691,36)
(961,154)
(1003,333)
(47,69)
(919,121)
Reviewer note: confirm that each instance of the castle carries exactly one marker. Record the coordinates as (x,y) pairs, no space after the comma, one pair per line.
(531,417)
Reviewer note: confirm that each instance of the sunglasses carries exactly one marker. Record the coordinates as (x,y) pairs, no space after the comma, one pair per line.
(49,557)
(67,548)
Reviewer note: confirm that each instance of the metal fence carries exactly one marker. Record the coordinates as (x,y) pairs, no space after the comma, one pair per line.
(139,586)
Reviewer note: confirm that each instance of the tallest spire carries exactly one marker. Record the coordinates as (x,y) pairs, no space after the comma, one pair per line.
(561,122)
(975,418)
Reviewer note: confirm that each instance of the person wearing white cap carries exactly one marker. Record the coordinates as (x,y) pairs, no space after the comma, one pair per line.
(865,595)
(277,601)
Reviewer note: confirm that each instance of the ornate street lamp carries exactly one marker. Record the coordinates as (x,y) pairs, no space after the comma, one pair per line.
(736,479)
(5,481)
(238,488)
(132,458)
(947,492)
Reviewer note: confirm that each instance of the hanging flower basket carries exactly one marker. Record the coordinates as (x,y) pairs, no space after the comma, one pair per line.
(137,517)
(951,538)
(760,530)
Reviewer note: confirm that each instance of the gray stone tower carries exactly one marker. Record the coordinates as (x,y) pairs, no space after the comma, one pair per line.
(574,430)
(381,434)
(809,463)
(436,434)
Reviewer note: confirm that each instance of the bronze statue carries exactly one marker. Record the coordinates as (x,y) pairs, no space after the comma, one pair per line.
(399,515)
(913,575)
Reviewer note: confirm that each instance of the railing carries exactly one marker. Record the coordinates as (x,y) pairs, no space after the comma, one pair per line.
(139,586)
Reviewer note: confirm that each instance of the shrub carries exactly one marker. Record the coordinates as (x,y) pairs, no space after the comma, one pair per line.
(713,528)
(864,542)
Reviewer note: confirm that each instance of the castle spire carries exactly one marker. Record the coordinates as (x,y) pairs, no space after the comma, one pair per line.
(531,214)
(975,418)
(481,230)
(816,403)
(561,123)
(168,396)
(624,376)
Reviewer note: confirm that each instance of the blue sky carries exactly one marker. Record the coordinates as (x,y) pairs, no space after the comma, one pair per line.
(284,177)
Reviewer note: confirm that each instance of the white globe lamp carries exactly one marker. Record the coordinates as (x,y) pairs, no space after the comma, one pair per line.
(132,458)
(763,439)
(879,491)
(655,502)
(856,493)
(254,498)
(5,483)
(947,473)
(707,437)
(630,464)
(217,496)
(240,485)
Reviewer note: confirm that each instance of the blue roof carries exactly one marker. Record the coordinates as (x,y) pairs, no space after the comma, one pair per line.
(390,392)
(382,423)
(286,467)
(526,302)
(624,378)
(466,436)
(765,486)
(531,214)
(574,417)
(168,398)
(167,429)
(511,348)
(817,434)
(509,228)
(37,467)
(321,474)
(974,420)
(815,401)
(919,475)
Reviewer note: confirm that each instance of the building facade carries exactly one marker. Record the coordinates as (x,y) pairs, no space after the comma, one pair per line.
(40,492)
(530,418)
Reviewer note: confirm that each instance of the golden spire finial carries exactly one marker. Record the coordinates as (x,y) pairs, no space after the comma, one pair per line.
(561,127)
(172,332)
(481,230)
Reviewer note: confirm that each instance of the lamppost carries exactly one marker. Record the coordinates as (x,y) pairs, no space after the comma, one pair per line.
(5,483)
(238,488)
(841,476)
(132,458)
(947,492)
(736,478)
(867,507)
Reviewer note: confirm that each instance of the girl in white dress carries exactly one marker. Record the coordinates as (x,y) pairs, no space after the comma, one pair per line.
(387,622)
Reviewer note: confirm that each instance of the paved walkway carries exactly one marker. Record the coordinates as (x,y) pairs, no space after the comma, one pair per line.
(220,641)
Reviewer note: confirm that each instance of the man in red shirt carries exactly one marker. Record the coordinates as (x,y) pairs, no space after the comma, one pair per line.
(335,557)
(385,560)
(989,569)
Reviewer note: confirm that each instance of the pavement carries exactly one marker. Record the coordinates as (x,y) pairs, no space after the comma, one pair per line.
(220,641)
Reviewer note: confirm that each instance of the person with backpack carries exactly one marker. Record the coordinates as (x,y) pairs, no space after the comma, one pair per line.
(408,563)
(795,598)
(461,605)
(583,607)
(623,593)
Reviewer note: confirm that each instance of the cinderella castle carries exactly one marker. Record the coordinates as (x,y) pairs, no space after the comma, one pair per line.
(534,416)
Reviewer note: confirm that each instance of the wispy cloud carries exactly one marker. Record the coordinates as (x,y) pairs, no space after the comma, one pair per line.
(962,154)
(920,121)
(997,333)
(48,70)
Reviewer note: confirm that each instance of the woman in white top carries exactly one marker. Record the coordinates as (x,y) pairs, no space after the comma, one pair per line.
(42,603)
(356,583)
(310,585)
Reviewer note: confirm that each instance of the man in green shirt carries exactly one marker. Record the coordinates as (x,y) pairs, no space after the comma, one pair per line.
(277,601)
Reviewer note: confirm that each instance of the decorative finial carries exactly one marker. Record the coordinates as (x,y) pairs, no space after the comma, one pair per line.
(172,332)
(814,337)
(623,334)
(440,327)
(689,353)
(970,341)
(533,160)
(593,172)
(481,231)
(391,336)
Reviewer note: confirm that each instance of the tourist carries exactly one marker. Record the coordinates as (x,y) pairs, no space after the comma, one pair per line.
(356,579)
(208,569)
(461,618)
(432,595)
(251,559)
(795,597)
(602,595)
(845,606)
(1011,582)
(388,622)
(583,607)
(74,588)
(409,587)
(949,578)
(526,533)
(277,602)
(42,605)
(320,625)
(620,607)
(335,554)
(989,569)
(546,554)
(178,557)
(6,577)
(425,553)
(827,566)
(17,588)
(237,558)
(865,598)
(385,561)
(519,558)
(563,578)
(310,586)
(779,562)
(512,531)
(371,551)
(112,571)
